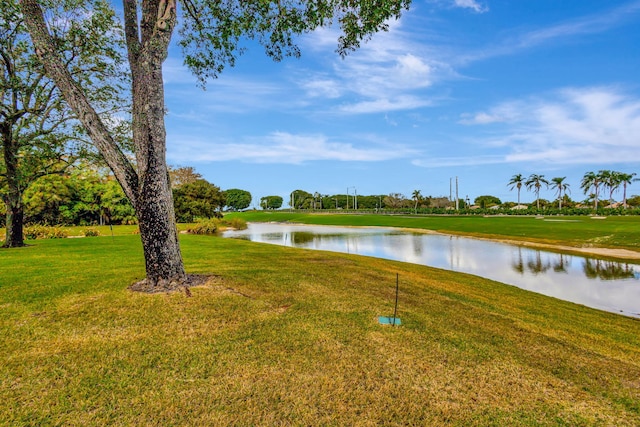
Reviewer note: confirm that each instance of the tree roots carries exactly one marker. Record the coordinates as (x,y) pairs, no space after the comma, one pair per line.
(163,285)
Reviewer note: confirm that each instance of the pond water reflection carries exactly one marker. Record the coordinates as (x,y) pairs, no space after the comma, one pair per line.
(606,285)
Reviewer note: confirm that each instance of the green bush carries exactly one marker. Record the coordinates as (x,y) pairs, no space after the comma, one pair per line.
(236,223)
(35,231)
(209,226)
(38,231)
(91,232)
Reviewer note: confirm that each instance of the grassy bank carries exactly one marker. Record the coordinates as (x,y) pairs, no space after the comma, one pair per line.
(579,231)
(289,337)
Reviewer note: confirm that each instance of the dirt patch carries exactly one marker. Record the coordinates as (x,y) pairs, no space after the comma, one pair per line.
(189,281)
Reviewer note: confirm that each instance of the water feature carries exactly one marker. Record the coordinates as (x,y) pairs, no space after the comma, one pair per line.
(606,285)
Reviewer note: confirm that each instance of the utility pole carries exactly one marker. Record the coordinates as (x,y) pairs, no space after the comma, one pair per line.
(457,199)
(347,198)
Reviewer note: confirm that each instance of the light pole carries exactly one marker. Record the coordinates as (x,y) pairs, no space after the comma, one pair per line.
(347,198)
(355,198)
(457,200)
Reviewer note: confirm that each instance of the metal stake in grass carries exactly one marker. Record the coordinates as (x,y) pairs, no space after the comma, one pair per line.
(393,321)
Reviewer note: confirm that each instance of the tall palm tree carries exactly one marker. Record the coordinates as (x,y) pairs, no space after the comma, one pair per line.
(560,186)
(609,180)
(417,197)
(626,179)
(516,182)
(616,182)
(535,181)
(589,180)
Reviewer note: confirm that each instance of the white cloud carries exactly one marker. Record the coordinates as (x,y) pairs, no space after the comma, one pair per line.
(175,72)
(585,25)
(383,105)
(480,118)
(323,87)
(589,24)
(412,71)
(285,148)
(228,94)
(388,73)
(471,4)
(572,126)
(505,112)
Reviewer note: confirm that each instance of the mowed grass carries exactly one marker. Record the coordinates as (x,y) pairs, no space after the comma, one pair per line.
(578,231)
(285,336)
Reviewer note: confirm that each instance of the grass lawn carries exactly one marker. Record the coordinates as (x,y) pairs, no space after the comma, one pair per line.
(285,336)
(579,231)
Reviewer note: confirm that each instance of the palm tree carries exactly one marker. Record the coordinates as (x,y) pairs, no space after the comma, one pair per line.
(516,182)
(535,181)
(591,179)
(417,197)
(609,179)
(560,186)
(626,178)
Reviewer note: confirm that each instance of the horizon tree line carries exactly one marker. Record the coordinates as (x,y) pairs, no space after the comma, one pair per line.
(591,184)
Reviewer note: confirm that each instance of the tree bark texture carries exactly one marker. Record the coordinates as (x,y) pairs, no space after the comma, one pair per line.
(147,185)
(13,197)
(14,221)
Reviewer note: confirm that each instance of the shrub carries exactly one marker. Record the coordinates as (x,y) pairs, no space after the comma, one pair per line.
(38,231)
(91,232)
(236,223)
(35,231)
(209,226)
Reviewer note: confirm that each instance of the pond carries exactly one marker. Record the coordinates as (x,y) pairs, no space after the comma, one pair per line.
(606,285)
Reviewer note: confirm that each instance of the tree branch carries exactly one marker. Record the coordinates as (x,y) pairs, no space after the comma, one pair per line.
(45,48)
(131,29)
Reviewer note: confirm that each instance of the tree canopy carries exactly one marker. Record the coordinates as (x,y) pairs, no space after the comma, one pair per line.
(211,35)
(271,202)
(212,32)
(237,199)
(486,201)
(198,199)
(179,175)
(39,133)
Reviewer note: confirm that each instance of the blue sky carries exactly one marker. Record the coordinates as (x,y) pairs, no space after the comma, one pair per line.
(474,89)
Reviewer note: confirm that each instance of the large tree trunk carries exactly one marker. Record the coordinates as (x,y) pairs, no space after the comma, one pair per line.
(146,185)
(147,49)
(13,198)
(14,221)
(155,200)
